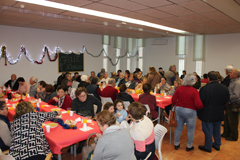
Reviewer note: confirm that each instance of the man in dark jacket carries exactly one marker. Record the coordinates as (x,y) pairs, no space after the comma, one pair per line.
(227,79)
(214,97)
(13,83)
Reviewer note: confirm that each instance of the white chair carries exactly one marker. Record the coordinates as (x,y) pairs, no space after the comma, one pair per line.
(75,84)
(105,100)
(126,104)
(148,111)
(159,132)
(72,94)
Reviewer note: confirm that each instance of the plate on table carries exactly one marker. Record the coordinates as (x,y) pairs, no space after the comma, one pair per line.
(52,125)
(55,109)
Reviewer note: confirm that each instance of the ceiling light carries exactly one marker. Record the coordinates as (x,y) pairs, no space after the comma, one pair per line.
(100,14)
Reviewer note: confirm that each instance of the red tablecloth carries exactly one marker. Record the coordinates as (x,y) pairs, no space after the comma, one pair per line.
(58,137)
(162,102)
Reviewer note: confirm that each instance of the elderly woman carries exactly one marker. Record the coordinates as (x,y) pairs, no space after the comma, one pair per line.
(5,138)
(27,133)
(63,100)
(163,86)
(153,78)
(84,81)
(131,83)
(187,100)
(150,100)
(41,90)
(142,131)
(114,143)
(123,95)
(120,80)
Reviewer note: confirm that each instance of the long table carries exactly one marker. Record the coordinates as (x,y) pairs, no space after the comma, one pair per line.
(58,137)
(162,102)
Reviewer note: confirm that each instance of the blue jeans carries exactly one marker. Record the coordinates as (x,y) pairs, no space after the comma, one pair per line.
(188,116)
(212,129)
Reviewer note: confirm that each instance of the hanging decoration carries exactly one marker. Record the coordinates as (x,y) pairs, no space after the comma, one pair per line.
(109,58)
(23,50)
(3,55)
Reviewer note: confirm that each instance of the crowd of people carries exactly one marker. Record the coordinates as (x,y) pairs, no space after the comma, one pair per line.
(207,98)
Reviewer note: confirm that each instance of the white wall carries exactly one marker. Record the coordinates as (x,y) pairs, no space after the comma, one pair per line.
(34,41)
(221,50)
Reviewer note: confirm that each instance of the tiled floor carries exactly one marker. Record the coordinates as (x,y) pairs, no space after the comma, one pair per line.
(229,150)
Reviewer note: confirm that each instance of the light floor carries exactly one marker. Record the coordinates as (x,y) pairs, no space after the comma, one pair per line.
(229,150)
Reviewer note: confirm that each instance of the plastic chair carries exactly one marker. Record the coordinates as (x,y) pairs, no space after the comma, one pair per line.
(159,132)
(126,104)
(170,128)
(72,93)
(106,99)
(148,111)
(75,84)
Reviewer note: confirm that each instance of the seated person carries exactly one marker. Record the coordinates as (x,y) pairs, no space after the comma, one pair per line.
(142,131)
(84,81)
(109,107)
(163,86)
(105,79)
(41,90)
(33,88)
(123,95)
(110,91)
(150,100)
(94,89)
(114,75)
(120,112)
(50,93)
(63,100)
(67,81)
(83,105)
(197,85)
(30,140)
(131,83)
(24,86)
(76,74)
(205,78)
(120,80)
(114,143)
(13,83)
(140,85)
(138,78)
(177,83)
(5,137)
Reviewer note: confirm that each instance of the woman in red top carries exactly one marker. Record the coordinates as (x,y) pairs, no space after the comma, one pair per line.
(187,101)
(63,100)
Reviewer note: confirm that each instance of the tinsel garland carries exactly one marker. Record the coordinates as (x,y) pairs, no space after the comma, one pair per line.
(24,51)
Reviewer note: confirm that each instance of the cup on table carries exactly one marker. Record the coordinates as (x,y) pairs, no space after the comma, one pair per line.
(42,106)
(84,124)
(69,110)
(6,100)
(39,100)
(47,128)
(162,93)
(71,113)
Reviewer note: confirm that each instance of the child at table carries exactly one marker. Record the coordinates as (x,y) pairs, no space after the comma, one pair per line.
(120,112)
(109,107)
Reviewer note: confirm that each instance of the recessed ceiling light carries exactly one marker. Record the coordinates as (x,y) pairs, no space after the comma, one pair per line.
(100,14)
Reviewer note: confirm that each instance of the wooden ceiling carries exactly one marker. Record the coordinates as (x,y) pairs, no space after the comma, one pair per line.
(193,16)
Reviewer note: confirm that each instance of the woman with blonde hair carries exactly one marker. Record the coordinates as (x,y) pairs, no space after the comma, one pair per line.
(153,77)
(187,100)
(28,139)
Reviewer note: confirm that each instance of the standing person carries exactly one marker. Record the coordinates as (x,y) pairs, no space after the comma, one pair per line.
(142,131)
(24,86)
(170,74)
(63,100)
(154,77)
(231,120)
(33,88)
(60,78)
(183,74)
(187,100)
(13,83)
(160,70)
(28,140)
(214,97)
(5,137)
(226,80)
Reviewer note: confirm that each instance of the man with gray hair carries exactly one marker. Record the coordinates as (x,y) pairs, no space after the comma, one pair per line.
(170,74)
(34,85)
(227,79)
(93,75)
(110,91)
(232,111)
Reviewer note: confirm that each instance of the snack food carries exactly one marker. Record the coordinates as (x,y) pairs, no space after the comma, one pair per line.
(52,125)
(55,109)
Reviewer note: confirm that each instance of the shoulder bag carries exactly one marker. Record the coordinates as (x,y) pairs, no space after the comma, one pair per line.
(172,117)
(87,151)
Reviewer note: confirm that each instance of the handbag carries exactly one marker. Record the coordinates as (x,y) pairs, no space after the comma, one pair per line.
(172,117)
(87,150)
